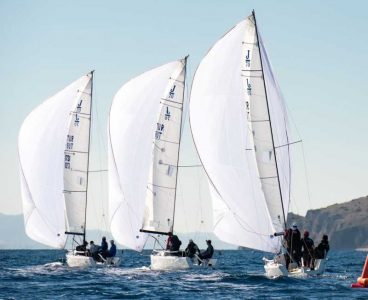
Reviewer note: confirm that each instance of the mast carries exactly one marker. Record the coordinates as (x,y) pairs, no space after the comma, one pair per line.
(89,147)
(269,117)
(181,122)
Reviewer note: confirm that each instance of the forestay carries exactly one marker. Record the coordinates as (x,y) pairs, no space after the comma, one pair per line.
(42,142)
(145,117)
(224,141)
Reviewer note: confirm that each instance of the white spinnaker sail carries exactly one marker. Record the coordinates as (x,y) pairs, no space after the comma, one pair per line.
(265,107)
(223,140)
(42,140)
(132,126)
(76,160)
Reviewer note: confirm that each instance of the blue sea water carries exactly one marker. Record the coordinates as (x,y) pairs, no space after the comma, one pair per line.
(36,274)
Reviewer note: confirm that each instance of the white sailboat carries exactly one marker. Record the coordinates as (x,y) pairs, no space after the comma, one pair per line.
(240,128)
(54,147)
(145,126)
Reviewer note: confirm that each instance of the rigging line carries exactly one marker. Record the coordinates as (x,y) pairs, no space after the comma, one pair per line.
(288,144)
(252,230)
(99,138)
(182,201)
(306,176)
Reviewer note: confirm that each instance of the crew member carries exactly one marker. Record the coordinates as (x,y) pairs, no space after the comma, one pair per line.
(191,249)
(294,247)
(83,247)
(174,243)
(112,251)
(322,249)
(93,250)
(308,248)
(208,253)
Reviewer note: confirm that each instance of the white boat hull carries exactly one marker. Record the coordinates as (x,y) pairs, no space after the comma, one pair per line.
(164,260)
(276,268)
(81,261)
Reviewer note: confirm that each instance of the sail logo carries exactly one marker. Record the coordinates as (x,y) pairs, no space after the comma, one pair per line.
(76,121)
(247,108)
(247,59)
(79,106)
(172,92)
(67,161)
(69,142)
(159,130)
(249,88)
(168,114)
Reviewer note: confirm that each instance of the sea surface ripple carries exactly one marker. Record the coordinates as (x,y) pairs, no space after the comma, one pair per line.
(38,274)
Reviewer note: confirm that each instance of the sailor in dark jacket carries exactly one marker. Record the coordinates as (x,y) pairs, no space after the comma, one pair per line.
(174,243)
(308,247)
(104,245)
(294,246)
(192,249)
(322,248)
(208,253)
(82,248)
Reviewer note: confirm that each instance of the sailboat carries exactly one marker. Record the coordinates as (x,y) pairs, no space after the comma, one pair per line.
(145,128)
(54,148)
(240,128)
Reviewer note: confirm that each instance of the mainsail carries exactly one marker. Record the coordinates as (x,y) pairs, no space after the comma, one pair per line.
(76,157)
(235,99)
(45,141)
(144,134)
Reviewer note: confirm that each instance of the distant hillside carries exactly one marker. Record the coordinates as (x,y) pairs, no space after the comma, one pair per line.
(345,224)
(13,236)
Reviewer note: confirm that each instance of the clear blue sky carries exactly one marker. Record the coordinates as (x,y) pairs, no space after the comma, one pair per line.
(318,50)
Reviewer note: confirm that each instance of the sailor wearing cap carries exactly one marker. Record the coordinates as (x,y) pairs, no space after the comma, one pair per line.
(293,242)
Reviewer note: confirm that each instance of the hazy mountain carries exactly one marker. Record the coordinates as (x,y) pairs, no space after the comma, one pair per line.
(346,224)
(13,236)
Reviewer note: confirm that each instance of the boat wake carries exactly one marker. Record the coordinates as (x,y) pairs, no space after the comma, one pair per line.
(54,265)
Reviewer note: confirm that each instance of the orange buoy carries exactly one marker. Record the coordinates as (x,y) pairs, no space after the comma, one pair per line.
(362,280)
